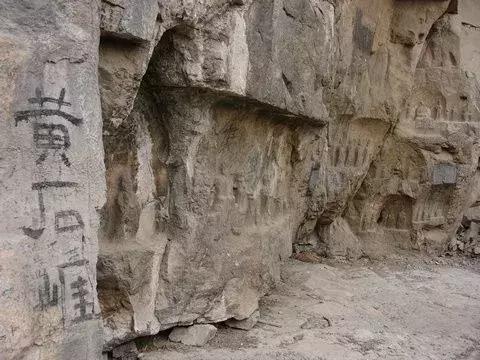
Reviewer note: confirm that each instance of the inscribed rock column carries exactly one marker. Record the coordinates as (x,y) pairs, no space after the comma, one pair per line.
(51,179)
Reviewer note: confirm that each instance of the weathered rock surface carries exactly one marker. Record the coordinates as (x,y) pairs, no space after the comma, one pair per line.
(386,311)
(126,351)
(51,180)
(244,324)
(233,132)
(195,335)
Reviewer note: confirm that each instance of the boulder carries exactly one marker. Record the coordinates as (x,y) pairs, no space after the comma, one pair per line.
(244,324)
(195,335)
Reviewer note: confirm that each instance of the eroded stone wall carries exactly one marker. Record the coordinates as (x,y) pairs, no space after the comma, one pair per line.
(235,132)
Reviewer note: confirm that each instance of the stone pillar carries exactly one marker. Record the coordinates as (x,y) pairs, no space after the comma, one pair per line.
(51,179)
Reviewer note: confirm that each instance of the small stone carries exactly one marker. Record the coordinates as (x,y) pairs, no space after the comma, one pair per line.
(245,324)
(316,323)
(461,246)
(126,351)
(287,342)
(298,337)
(476,250)
(452,245)
(236,231)
(195,335)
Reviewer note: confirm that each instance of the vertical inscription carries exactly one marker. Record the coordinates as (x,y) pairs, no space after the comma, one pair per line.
(50,137)
(72,291)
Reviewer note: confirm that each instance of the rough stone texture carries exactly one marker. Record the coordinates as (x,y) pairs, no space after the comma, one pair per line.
(195,335)
(233,132)
(51,180)
(403,309)
(245,324)
(126,351)
(467,238)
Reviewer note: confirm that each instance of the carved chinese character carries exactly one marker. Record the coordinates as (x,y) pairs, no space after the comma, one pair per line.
(47,293)
(26,115)
(79,301)
(51,137)
(68,220)
(35,233)
(83,306)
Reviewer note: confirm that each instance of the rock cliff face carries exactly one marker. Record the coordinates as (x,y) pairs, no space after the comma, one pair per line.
(159,159)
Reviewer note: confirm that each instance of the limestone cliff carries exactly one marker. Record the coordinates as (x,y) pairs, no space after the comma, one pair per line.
(160,159)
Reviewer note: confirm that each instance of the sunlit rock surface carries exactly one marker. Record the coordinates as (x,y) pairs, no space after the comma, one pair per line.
(160,159)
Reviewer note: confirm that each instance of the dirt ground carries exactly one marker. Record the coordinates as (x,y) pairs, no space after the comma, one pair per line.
(411,308)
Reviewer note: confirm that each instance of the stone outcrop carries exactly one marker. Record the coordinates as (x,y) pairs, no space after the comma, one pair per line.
(162,158)
(51,180)
(195,335)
